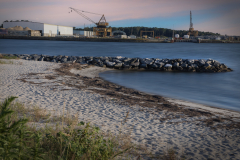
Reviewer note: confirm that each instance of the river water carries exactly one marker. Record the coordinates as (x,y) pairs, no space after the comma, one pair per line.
(214,89)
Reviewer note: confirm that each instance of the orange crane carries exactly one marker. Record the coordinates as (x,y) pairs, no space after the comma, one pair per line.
(101,30)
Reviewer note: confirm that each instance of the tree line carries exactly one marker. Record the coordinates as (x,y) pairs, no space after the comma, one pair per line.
(158,32)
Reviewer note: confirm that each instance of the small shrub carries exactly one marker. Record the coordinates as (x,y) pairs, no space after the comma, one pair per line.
(18,141)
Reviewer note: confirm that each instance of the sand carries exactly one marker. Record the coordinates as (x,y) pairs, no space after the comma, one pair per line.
(158,129)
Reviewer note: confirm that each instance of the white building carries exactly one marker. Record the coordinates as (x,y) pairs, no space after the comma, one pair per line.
(45,29)
(84,33)
(132,37)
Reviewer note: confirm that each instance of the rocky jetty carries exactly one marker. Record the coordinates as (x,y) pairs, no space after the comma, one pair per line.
(118,62)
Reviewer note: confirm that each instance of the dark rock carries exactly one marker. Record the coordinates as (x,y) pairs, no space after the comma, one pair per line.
(165,61)
(176,64)
(184,65)
(126,66)
(154,66)
(201,62)
(216,64)
(41,59)
(54,60)
(143,66)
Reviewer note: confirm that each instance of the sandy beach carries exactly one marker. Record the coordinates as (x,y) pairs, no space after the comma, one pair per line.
(193,130)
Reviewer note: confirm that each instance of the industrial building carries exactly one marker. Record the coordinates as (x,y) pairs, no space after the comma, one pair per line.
(45,29)
(84,33)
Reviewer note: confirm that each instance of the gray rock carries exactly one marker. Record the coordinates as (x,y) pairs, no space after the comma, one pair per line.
(155,66)
(201,62)
(118,57)
(118,65)
(157,61)
(54,60)
(179,60)
(127,60)
(110,64)
(190,61)
(118,61)
(135,64)
(168,66)
(161,64)
(143,65)
(216,64)
(209,62)
(41,59)
(176,64)
(165,60)
(147,61)
(63,60)
(184,65)
(180,68)
(194,66)
(207,65)
(126,66)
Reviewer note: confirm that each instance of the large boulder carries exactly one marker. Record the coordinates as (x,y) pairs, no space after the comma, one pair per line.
(126,66)
(41,59)
(190,61)
(175,65)
(165,60)
(147,61)
(154,66)
(201,62)
(161,64)
(64,60)
(184,65)
(157,61)
(118,65)
(144,65)
(110,64)
(135,64)
(169,66)
(216,64)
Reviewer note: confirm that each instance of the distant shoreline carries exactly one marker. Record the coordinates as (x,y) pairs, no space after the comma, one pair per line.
(109,39)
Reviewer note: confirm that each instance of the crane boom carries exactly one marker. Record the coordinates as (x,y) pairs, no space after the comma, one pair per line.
(84,16)
(101,30)
(102,22)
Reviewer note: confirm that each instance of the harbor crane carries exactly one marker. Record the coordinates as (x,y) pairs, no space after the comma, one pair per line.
(101,29)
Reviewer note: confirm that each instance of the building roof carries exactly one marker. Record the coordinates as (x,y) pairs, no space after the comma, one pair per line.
(35,22)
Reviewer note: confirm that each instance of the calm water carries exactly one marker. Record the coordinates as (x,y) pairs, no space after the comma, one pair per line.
(215,89)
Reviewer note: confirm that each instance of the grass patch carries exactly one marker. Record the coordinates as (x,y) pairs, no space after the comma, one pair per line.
(63,137)
(7,57)
(76,140)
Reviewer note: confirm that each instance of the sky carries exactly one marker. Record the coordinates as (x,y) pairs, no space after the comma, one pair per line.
(218,16)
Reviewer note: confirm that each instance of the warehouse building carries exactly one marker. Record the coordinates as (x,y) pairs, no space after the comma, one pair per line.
(45,29)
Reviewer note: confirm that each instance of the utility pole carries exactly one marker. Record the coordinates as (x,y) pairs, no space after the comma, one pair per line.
(173,32)
(191,24)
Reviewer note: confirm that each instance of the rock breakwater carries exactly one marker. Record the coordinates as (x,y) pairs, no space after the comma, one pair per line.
(119,62)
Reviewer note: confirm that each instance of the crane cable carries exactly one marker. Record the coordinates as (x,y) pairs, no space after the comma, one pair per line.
(81,14)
